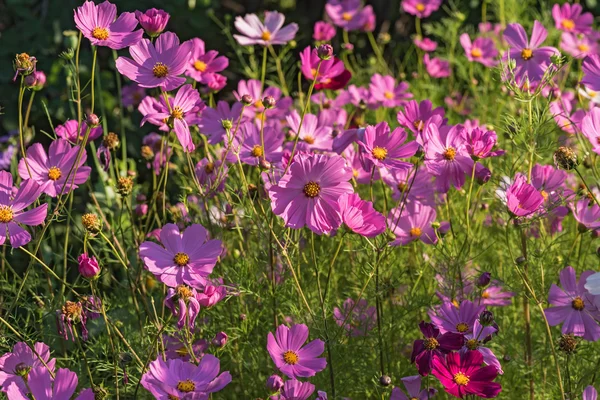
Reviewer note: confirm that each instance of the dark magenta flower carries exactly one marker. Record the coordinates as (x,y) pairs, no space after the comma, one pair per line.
(522,199)
(433,343)
(332,73)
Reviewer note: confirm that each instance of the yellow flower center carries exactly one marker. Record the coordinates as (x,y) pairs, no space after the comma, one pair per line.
(209,168)
(347,16)
(461,379)
(257,151)
(54,173)
(476,52)
(379,153)
(100,33)
(186,386)
(309,139)
(402,187)
(472,344)
(526,54)
(177,113)
(266,36)
(313,72)
(431,344)
(181,259)
(578,303)
(544,194)
(259,104)
(6,214)
(290,357)
(312,189)
(462,327)
(183,291)
(419,125)
(182,351)
(388,95)
(415,232)
(583,48)
(420,7)
(160,70)
(200,66)
(485,294)
(450,153)
(568,24)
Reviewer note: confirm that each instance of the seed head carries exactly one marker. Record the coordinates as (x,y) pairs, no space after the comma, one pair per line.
(565,158)
(124,185)
(91,223)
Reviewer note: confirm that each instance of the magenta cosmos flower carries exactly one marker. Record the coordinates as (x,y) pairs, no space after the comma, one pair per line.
(254,31)
(186,258)
(482,50)
(295,390)
(415,116)
(360,216)
(433,342)
(494,295)
(356,318)
(153,21)
(449,318)
(522,199)
(176,379)
(410,187)
(158,64)
(481,143)
(202,64)
(312,134)
(308,193)
(587,213)
(414,224)
(97,23)
(446,155)
(573,306)
(425,44)
(590,127)
(41,386)
(74,132)
(436,67)
(532,61)
(185,103)
(462,375)
(413,388)
(384,149)
(211,121)
(323,31)
(421,8)
(291,357)
(252,149)
(332,74)
(55,172)
(346,14)
(590,393)
(591,72)
(12,206)
(384,90)
(22,358)
(474,342)
(568,18)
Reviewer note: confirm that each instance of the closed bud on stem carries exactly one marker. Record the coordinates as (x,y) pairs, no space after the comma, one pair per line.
(269,102)
(247,100)
(227,124)
(483,280)
(385,380)
(274,383)
(88,266)
(325,51)
(486,318)
(92,121)
(520,260)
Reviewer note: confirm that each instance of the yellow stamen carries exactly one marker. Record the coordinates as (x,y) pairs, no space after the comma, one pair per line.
(462,327)
(266,36)
(257,151)
(312,189)
(6,214)
(160,70)
(54,173)
(416,232)
(290,357)
(450,153)
(461,379)
(476,52)
(379,153)
(309,139)
(181,259)
(568,24)
(420,7)
(200,66)
(388,95)
(186,386)
(431,343)
(578,303)
(526,54)
(100,33)
(177,113)
(347,16)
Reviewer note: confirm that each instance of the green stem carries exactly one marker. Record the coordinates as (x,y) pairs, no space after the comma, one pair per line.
(263,70)
(95,51)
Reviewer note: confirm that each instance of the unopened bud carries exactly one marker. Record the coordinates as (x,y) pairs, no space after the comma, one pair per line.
(227,124)
(325,51)
(247,100)
(269,102)
(92,121)
(486,318)
(483,280)
(385,380)
(88,266)
(520,260)
(274,383)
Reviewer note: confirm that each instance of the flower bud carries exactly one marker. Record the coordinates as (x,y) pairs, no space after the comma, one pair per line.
(482,175)
(141,210)
(269,102)
(264,164)
(247,100)
(220,339)
(243,317)
(385,380)
(88,266)
(92,121)
(486,318)
(565,158)
(325,51)
(153,21)
(91,223)
(483,280)
(227,124)
(520,260)
(274,383)
(22,369)
(36,80)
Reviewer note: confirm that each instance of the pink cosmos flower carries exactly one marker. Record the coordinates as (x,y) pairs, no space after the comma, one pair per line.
(51,170)
(211,294)
(462,375)
(346,14)
(332,73)
(446,155)
(568,18)
(308,193)
(186,258)
(590,127)
(433,343)
(475,341)
(480,143)
(178,379)
(69,131)
(449,318)
(410,187)
(566,119)
(358,172)
(12,208)
(41,386)
(587,213)
(436,67)
(413,388)
(295,390)
(22,356)
(97,23)
(414,224)
(202,65)
(415,115)
(175,347)
(311,133)
(211,121)
(579,46)
(494,295)
(573,306)
(531,60)
(522,199)
(482,50)
(290,356)
(425,44)
(153,21)
(323,31)
(211,175)
(250,146)
(356,318)
(591,72)
(360,216)
(550,182)
(132,95)
(590,393)
(384,149)
(384,90)
(185,103)
(253,31)
(183,303)
(158,64)
(421,8)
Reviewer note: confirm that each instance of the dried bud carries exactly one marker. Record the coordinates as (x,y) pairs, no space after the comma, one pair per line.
(91,223)
(486,318)
(385,380)
(520,260)
(269,102)
(111,141)
(88,266)
(483,280)
(227,124)
(92,121)
(147,153)
(24,64)
(565,158)
(99,393)
(325,51)
(124,185)
(247,100)
(274,383)
(567,343)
